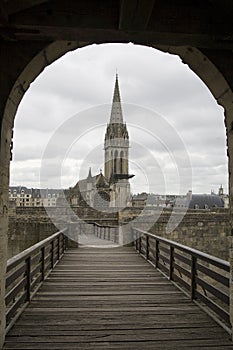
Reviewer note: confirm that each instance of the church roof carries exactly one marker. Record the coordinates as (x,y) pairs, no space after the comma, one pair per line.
(98,180)
(116,112)
(101,181)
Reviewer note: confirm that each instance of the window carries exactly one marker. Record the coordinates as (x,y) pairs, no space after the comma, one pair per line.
(121,162)
(115,162)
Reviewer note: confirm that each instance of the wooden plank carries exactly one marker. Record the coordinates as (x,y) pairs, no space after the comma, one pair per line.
(112,299)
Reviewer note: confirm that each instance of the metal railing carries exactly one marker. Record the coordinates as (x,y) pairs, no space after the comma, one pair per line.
(26,272)
(204,277)
(106,232)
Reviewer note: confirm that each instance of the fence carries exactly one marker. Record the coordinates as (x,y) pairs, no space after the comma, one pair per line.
(204,277)
(110,233)
(27,270)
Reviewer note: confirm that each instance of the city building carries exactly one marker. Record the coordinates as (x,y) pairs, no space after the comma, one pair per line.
(150,200)
(33,197)
(203,201)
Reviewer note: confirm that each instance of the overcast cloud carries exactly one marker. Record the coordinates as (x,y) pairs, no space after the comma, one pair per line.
(175,126)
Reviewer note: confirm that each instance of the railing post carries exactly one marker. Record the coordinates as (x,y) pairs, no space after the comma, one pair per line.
(147,248)
(135,237)
(156,253)
(171,260)
(140,243)
(58,248)
(193,276)
(52,255)
(28,272)
(66,242)
(63,243)
(42,263)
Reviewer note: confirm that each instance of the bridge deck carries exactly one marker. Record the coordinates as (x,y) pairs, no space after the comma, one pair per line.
(112,299)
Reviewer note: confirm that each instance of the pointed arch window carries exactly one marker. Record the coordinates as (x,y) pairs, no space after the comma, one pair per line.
(115,162)
(121,162)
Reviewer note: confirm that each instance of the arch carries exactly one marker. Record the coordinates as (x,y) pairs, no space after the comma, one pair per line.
(212,71)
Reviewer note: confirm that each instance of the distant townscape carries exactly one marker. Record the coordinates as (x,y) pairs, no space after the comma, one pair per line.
(22,196)
(190,200)
(112,189)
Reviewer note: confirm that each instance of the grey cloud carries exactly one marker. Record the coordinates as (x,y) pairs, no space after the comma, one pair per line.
(149,78)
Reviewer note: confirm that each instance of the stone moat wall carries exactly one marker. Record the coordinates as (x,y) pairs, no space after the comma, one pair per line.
(207,231)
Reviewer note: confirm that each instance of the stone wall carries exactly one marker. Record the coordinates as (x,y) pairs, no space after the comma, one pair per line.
(207,231)
(27,226)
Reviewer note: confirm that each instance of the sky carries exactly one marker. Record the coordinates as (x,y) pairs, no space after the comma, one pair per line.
(176,128)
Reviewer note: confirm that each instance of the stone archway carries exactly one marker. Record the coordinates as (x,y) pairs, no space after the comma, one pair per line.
(212,70)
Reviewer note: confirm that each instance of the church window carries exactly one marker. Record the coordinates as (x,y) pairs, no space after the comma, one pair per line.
(115,162)
(121,162)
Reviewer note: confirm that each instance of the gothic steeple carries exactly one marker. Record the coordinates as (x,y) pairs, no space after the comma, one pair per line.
(116,113)
(116,143)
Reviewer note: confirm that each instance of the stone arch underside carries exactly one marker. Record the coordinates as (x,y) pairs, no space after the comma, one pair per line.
(209,68)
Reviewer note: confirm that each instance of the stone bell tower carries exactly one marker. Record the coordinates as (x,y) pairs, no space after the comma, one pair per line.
(116,146)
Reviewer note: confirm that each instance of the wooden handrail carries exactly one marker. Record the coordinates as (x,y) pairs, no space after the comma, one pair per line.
(205,277)
(27,270)
(204,256)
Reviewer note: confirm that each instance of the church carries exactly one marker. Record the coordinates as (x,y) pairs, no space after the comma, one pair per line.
(111,189)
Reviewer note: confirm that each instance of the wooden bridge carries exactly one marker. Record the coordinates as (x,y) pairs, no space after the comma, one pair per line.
(112,298)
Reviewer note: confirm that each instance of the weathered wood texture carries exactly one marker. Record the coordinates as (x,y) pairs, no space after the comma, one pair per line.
(111,298)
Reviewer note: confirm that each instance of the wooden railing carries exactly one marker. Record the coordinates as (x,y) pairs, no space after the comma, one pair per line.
(204,277)
(107,232)
(26,272)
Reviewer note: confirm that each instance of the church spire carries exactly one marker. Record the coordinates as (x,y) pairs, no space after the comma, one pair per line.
(116,113)
(89,177)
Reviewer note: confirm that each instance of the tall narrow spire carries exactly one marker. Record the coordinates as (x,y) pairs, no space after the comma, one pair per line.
(89,177)
(116,113)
